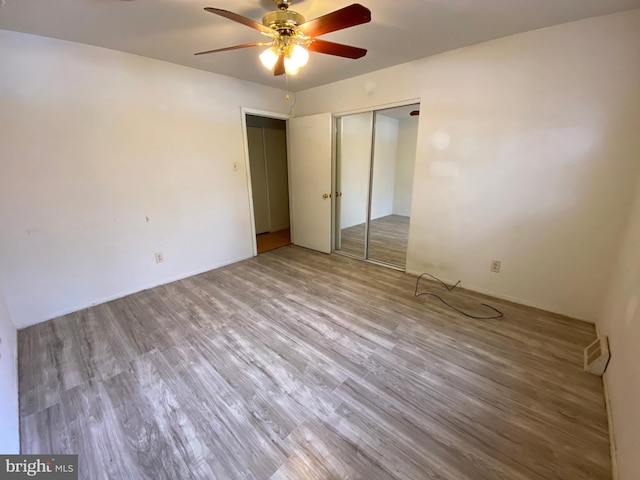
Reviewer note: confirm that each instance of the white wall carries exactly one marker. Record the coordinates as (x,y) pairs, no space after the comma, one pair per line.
(107,158)
(384,166)
(9,426)
(354,163)
(405,166)
(620,320)
(527,153)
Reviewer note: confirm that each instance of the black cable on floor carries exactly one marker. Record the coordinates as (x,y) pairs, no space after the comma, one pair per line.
(416,294)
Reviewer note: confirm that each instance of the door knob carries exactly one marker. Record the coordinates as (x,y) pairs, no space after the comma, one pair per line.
(326,195)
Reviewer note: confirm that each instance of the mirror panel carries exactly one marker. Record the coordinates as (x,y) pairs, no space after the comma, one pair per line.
(396,134)
(352,182)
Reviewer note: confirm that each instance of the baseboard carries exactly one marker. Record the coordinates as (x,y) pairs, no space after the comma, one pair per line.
(615,475)
(612,437)
(508,298)
(116,296)
(279,228)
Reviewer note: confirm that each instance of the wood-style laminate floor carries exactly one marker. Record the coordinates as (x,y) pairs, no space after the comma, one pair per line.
(388,239)
(299,365)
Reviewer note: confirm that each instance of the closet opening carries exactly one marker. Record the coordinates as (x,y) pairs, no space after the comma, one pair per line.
(269,172)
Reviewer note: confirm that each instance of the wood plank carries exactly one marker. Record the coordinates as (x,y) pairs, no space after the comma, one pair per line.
(300,365)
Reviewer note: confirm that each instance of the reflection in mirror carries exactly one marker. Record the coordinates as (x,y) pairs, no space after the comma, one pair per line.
(353,162)
(396,133)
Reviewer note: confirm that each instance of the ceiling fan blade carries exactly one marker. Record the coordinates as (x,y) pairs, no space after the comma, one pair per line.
(235,47)
(337,49)
(346,17)
(279,68)
(415,113)
(240,19)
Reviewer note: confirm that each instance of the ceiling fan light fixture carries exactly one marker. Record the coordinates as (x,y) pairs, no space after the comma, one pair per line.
(299,56)
(296,58)
(269,57)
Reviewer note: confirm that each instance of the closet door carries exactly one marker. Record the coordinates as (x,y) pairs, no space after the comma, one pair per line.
(353,172)
(275,143)
(259,185)
(375,163)
(310,154)
(395,138)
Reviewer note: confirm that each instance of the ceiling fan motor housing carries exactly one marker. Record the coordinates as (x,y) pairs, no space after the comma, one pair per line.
(283,20)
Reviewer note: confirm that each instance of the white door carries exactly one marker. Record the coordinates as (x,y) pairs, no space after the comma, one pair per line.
(310,168)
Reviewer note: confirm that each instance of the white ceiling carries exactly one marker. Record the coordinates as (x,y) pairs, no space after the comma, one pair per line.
(401,30)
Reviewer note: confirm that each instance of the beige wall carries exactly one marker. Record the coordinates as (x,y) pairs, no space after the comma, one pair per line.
(527,153)
(620,320)
(108,158)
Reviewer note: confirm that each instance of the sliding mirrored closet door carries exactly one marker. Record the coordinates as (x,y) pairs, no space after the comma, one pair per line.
(353,174)
(374,182)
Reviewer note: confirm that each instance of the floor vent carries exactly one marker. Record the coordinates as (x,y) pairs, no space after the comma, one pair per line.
(596,356)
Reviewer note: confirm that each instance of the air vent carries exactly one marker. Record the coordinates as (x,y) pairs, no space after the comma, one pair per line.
(596,356)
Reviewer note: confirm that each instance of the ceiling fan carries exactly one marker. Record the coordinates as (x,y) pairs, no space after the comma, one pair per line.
(291,37)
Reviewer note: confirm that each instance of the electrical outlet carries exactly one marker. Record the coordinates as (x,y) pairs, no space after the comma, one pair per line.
(495,266)
(159,257)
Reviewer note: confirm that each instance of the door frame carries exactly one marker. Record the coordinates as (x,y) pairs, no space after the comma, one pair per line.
(244,111)
(375,108)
